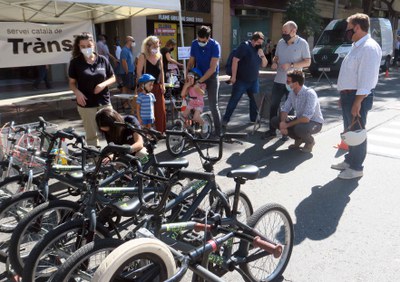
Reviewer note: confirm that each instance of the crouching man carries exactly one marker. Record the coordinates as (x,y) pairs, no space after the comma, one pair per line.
(308,118)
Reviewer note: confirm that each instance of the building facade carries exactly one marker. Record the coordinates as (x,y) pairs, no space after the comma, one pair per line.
(231,21)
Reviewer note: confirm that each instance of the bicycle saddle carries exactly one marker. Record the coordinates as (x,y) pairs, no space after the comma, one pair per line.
(245,171)
(131,207)
(178,163)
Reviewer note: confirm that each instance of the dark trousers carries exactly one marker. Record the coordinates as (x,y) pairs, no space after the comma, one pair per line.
(301,131)
(278,91)
(238,89)
(42,75)
(212,90)
(356,155)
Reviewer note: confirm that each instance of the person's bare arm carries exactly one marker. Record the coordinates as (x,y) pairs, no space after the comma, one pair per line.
(138,145)
(235,63)
(80,97)
(100,87)
(172,60)
(212,69)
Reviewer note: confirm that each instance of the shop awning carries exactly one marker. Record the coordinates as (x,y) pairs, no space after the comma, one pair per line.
(55,11)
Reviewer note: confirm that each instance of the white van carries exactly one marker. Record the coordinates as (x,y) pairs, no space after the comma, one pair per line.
(332,47)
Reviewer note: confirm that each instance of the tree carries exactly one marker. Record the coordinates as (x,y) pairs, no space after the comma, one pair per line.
(305,14)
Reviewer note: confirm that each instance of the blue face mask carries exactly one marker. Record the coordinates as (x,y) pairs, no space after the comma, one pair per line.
(288,87)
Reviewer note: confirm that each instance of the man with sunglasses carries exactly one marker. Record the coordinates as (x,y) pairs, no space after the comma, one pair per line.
(308,119)
(204,55)
(357,79)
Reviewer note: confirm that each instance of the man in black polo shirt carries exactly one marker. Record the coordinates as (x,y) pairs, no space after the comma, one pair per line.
(246,62)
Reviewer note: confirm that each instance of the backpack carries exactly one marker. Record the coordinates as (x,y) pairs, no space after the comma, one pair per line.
(228,66)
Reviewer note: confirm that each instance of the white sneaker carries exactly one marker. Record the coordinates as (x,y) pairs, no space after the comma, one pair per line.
(350,174)
(340,166)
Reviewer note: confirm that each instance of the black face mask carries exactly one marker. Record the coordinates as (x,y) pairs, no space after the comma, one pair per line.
(349,34)
(286,37)
(172,49)
(257,47)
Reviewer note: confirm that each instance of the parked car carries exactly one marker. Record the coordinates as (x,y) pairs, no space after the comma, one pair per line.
(332,47)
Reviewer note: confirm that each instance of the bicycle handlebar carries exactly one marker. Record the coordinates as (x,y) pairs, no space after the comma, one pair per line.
(226,137)
(142,131)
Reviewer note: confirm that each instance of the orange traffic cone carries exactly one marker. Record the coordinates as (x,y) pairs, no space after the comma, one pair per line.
(387,73)
(342,146)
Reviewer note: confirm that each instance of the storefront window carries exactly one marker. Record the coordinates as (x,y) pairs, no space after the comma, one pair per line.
(200,6)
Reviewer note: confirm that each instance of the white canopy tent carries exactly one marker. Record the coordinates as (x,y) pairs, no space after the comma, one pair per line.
(96,11)
(64,11)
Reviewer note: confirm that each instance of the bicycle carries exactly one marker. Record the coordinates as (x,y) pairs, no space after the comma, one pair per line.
(180,207)
(176,143)
(49,215)
(221,253)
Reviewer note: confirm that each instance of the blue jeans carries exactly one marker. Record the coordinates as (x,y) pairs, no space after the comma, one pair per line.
(238,89)
(356,155)
(278,91)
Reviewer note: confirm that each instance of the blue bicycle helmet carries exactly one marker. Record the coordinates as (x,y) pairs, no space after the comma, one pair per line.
(197,73)
(146,78)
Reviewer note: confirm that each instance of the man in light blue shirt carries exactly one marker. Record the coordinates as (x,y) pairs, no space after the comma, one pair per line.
(308,118)
(357,79)
(128,67)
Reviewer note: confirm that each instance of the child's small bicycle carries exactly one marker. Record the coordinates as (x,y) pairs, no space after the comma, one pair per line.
(176,144)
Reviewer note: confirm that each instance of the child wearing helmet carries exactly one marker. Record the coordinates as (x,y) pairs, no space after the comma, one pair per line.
(196,92)
(145,101)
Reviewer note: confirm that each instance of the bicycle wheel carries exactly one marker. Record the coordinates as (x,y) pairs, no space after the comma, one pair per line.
(82,265)
(206,128)
(175,143)
(55,248)
(16,184)
(15,208)
(275,223)
(143,259)
(32,228)
(245,208)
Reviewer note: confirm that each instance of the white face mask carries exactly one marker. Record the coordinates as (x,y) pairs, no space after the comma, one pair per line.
(133,44)
(154,51)
(87,52)
(202,44)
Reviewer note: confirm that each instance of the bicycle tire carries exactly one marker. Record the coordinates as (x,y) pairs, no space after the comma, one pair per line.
(245,207)
(267,267)
(82,263)
(175,144)
(13,209)
(34,226)
(46,252)
(206,128)
(138,250)
(15,184)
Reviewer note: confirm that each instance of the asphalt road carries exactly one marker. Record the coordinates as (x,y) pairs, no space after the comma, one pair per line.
(345,230)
